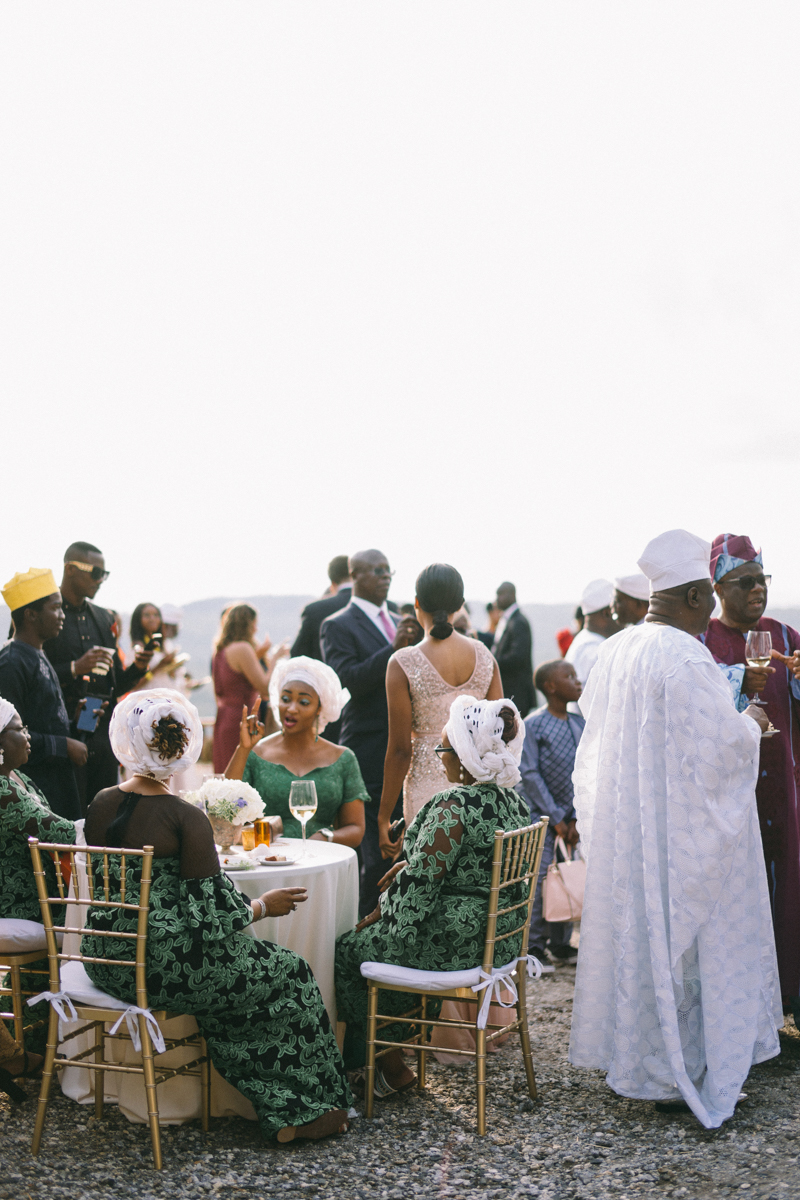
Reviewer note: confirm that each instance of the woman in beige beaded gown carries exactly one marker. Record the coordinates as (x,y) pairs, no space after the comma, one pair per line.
(421,683)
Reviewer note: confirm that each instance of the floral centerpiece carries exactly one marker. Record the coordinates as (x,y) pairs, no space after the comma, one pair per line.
(228,804)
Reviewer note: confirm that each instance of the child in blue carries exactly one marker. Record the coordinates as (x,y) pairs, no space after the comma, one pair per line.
(548,758)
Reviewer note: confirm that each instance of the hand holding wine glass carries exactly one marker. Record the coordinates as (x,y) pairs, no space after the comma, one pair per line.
(303,801)
(758,653)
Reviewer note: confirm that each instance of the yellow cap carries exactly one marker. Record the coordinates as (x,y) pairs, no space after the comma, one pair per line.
(33,585)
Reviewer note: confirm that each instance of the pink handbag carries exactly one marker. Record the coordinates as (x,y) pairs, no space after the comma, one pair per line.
(562,887)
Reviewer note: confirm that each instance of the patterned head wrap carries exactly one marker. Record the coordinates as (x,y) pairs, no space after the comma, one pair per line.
(731,550)
(131,731)
(475,731)
(317,675)
(7,713)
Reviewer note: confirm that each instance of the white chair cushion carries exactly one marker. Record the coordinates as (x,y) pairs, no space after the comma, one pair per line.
(427,981)
(80,989)
(21,937)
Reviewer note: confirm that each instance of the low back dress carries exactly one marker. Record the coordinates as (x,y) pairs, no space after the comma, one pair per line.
(431,697)
(232,689)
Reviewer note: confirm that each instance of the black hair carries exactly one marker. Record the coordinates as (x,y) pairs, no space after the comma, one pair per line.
(545,672)
(137,632)
(510,726)
(339,569)
(18,615)
(80,548)
(440,591)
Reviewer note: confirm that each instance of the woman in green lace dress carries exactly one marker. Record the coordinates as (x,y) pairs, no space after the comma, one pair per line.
(256,1003)
(24,813)
(432,913)
(305,696)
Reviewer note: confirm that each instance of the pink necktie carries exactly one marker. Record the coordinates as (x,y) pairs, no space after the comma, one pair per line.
(388,627)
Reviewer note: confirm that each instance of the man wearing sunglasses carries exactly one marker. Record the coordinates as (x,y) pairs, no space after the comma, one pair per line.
(741,587)
(87,649)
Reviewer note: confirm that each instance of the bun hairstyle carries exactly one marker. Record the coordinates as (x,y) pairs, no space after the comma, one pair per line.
(169,739)
(509,719)
(440,591)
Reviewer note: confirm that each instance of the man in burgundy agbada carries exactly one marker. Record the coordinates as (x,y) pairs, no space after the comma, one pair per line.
(741,587)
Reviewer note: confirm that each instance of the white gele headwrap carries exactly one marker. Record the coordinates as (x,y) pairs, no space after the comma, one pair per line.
(7,713)
(131,731)
(319,676)
(475,731)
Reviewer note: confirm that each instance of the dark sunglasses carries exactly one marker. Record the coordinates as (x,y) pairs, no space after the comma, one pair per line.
(440,750)
(747,582)
(97,573)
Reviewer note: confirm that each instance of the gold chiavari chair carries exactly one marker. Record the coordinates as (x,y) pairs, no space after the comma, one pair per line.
(515,865)
(71,990)
(22,943)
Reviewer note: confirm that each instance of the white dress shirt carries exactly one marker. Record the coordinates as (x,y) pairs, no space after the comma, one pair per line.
(372,611)
(502,623)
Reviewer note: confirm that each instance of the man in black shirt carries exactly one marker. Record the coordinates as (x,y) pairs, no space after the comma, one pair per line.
(29,682)
(86,647)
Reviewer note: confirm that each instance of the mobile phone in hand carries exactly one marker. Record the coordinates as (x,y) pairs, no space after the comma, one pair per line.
(397,829)
(90,714)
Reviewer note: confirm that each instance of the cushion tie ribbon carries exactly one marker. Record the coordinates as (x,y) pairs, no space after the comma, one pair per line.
(129,1017)
(491,985)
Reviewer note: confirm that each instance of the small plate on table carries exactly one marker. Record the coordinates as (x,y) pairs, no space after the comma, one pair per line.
(283,857)
(236,862)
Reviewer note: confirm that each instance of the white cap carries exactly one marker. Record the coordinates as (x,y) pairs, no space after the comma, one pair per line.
(171,615)
(637,586)
(674,558)
(596,595)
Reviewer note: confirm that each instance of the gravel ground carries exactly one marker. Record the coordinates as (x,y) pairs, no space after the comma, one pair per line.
(579,1140)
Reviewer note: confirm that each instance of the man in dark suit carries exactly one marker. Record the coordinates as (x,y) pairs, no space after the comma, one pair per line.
(513,650)
(337,596)
(358,642)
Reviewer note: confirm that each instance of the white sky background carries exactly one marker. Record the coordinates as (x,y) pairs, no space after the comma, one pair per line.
(513,286)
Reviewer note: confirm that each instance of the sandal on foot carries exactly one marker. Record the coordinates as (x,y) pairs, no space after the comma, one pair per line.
(335,1121)
(10,1088)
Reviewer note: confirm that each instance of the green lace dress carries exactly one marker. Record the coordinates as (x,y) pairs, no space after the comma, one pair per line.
(24,813)
(433,916)
(256,1003)
(336,785)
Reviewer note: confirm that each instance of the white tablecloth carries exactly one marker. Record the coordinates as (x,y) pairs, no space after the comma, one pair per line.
(330,873)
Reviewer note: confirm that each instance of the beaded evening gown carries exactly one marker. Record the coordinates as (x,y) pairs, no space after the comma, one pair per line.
(431,697)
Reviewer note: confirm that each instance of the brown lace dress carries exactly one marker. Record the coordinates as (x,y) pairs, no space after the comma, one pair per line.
(431,697)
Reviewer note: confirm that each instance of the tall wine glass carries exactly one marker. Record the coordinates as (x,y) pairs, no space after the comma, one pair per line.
(758,653)
(303,801)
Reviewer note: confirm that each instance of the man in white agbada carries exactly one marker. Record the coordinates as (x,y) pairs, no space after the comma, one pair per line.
(598,624)
(677,991)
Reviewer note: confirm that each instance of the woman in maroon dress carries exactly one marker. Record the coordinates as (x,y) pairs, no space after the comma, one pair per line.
(741,588)
(239,677)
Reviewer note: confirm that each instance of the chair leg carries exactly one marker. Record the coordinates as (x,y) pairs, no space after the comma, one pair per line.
(47,1079)
(16,1005)
(150,1088)
(99,1076)
(423,1037)
(372,1021)
(205,1088)
(480,1077)
(524,1035)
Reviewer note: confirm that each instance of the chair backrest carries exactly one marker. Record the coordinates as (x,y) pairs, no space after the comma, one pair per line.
(515,864)
(80,860)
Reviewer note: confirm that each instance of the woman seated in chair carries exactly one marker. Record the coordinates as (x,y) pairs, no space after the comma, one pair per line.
(305,696)
(433,910)
(24,813)
(256,1003)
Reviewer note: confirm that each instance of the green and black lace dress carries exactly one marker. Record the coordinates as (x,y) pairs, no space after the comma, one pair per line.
(257,1004)
(433,916)
(24,813)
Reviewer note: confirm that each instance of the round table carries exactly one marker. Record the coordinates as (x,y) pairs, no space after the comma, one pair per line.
(330,874)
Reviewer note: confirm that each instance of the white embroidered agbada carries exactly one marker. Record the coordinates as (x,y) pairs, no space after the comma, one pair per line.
(677,981)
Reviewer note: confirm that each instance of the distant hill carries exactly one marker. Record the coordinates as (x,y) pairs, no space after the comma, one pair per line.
(279,616)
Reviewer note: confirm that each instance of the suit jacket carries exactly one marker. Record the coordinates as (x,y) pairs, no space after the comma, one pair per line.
(514,655)
(359,654)
(307,640)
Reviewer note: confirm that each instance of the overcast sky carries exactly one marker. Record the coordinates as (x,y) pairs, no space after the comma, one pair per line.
(509,285)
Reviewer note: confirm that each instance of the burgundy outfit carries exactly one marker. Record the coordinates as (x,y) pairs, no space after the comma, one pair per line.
(232,691)
(778,788)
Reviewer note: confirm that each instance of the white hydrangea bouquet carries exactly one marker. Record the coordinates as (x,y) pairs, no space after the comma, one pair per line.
(227,803)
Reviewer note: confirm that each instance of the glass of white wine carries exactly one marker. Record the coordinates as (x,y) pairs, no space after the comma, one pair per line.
(758,653)
(303,801)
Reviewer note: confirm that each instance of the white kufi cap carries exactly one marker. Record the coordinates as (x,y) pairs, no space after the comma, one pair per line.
(637,586)
(675,557)
(596,595)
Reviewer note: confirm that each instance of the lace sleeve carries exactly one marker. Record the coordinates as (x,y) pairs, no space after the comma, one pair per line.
(198,853)
(26,811)
(414,892)
(212,908)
